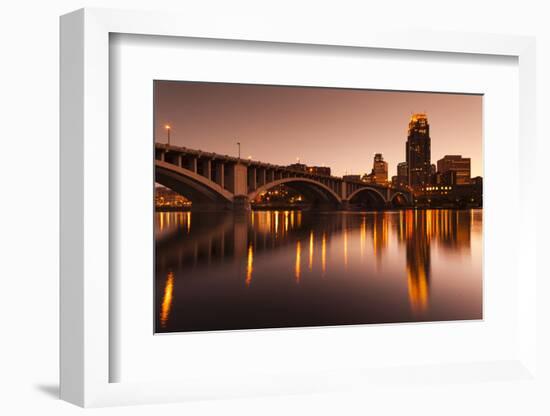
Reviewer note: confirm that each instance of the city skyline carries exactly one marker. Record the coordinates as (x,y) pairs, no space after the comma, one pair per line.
(339,128)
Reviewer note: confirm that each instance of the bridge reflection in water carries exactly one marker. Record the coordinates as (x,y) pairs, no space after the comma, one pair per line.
(266,269)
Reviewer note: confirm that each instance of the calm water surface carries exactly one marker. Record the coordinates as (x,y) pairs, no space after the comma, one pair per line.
(269,269)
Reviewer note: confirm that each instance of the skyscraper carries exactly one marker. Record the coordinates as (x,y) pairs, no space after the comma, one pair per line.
(418,150)
(402,174)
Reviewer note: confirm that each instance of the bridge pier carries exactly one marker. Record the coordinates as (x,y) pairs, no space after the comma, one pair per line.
(240,237)
(239,179)
(241,203)
(343,191)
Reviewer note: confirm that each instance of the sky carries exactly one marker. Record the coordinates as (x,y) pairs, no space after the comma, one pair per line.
(340,128)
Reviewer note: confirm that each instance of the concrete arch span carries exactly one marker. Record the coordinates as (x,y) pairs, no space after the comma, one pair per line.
(315,192)
(376,196)
(398,197)
(202,192)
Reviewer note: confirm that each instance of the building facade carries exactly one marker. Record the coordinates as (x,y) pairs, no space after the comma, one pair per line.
(319,170)
(418,151)
(454,170)
(379,169)
(298,166)
(402,174)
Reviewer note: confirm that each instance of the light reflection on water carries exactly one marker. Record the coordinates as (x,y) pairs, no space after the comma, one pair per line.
(266,269)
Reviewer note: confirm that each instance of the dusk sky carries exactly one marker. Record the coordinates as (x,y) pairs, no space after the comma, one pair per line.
(340,128)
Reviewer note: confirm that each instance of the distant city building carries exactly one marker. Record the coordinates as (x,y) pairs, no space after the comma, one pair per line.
(454,170)
(298,166)
(319,170)
(316,170)
(463,196)
(402,174)
(437,179)
(418,151)
(447,178)
(395,180)
(477,181)
(379,169)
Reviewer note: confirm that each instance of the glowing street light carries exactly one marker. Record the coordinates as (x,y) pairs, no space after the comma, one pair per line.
(168,128)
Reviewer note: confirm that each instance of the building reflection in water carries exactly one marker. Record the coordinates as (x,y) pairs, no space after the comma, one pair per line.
(345,247)
(297,266)
(167,300)
(363,237)
(227,238)
(324,254)
(418,260)
(311,241)
(249,265)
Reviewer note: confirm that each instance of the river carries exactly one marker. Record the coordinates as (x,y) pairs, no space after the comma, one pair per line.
(273,269)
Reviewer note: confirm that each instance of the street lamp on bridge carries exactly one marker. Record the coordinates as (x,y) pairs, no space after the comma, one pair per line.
(167,127)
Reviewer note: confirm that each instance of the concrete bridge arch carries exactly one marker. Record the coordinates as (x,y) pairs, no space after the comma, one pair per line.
(373,191)
(396,194)
(195,187)
(314,191)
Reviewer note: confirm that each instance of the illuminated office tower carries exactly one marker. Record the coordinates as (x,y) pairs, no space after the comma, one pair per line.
(418,151)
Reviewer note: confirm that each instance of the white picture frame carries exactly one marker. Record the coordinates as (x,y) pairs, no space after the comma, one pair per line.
(85,212)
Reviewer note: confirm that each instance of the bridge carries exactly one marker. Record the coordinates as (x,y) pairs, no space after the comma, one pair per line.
(220,182)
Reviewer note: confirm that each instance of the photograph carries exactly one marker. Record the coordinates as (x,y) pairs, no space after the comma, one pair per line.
(280,206)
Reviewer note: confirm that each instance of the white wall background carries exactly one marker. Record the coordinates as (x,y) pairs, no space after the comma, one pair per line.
(29,99)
